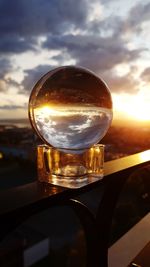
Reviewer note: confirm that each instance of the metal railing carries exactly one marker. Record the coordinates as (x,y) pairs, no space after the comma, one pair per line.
(19,203)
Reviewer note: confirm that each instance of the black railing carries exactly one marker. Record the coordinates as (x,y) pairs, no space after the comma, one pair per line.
(19,203)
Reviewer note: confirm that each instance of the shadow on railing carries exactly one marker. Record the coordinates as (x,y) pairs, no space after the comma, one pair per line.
(18,204)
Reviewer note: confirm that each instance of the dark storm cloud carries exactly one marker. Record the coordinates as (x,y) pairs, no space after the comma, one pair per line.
(38,17)
(22,21)
(146,75)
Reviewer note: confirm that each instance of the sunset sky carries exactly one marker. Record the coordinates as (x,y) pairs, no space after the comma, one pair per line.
(110,37)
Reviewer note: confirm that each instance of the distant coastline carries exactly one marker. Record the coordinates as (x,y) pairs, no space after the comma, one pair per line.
(16,122)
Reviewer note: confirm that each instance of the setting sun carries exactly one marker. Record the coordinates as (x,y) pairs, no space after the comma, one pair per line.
(139,111)
(133,107)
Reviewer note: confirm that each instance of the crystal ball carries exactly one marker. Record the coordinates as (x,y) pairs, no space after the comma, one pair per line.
(70,108)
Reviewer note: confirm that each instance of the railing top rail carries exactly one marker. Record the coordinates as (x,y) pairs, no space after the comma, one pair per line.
(121,164)
(39,193)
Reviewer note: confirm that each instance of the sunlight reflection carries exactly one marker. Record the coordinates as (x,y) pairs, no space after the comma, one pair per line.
(145,156)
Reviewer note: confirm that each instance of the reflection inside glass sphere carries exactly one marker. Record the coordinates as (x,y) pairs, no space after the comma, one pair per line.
(72,127)
(70,108)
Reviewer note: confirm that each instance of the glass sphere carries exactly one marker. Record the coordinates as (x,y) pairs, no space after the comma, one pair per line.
(70,107)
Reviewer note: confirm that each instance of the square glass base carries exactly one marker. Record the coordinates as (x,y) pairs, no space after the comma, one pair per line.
(70,168)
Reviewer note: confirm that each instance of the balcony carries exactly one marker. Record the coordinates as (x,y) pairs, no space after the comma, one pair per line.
(107,243)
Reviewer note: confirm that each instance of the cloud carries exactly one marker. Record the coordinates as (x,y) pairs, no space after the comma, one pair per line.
(121,84)
(6,84)
(11,43)
(98,45)
(5,67)
(116,83)
(11,107)
(3,86)
(146,75)
(133,23)
(33,75)
(36,17)
(23,21)
(93,51)
(108,26)
(138,14)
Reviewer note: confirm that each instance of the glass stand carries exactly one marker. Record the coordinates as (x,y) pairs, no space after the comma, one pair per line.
(70,168)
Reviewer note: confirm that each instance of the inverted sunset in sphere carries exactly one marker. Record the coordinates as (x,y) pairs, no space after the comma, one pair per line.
(70,108)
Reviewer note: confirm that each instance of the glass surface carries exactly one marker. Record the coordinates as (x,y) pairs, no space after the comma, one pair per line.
(70,108)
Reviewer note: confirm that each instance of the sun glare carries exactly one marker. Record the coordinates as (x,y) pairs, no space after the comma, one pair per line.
(47,110)
(67,110)
(145,155)
(132,107)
